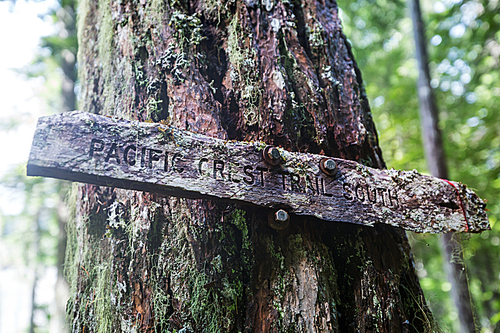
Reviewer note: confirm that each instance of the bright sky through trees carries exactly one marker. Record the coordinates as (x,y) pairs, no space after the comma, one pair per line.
(21,29)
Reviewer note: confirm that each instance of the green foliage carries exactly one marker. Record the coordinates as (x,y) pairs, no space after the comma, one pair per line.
(464,51)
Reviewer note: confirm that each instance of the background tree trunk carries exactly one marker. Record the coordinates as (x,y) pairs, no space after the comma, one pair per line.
(280,72)
(451,245)
(64,50)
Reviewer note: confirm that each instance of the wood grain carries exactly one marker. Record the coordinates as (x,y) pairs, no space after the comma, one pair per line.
(151,157)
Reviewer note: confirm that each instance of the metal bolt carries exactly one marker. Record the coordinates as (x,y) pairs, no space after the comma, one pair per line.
(328,166)
(272,155)
(281,216)
(279,220)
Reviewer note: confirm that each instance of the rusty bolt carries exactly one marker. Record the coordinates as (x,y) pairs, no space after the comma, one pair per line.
(272,155)
(279,220)
(328,166)
(281,216)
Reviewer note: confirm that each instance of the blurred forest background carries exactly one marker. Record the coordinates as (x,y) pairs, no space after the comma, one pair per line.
(464,51)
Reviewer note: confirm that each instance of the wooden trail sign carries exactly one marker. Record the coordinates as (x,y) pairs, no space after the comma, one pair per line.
(151,157)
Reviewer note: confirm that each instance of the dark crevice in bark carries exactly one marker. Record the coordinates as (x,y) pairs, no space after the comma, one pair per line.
(141,56)
(99,214)
(156,229)
(301,29)
(346,259)
(230,117)
(163,113)
(298,121)
(149,91)
(331,149)
(451,205)
(94,100)
(214,67)
(159,91)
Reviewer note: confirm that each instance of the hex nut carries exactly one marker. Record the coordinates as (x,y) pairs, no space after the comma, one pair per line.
(279,220)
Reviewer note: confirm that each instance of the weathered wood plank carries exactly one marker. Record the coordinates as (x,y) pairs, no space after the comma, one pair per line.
(88,148)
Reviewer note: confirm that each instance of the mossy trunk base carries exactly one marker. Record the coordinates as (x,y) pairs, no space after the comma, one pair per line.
(277,71)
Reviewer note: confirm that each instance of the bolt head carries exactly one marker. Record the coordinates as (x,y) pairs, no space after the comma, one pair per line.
(330,165)
(278,220)
(274,153)
(281,216)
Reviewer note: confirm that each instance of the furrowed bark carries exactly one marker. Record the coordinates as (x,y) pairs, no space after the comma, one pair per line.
(277,72)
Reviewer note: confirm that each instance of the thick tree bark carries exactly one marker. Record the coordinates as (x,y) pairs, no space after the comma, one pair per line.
(436,161)
(280,72)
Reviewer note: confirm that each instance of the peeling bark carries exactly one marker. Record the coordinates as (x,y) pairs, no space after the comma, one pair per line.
(277,72)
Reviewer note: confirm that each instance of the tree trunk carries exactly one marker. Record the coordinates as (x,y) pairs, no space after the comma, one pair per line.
(433,146)
(279,72)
